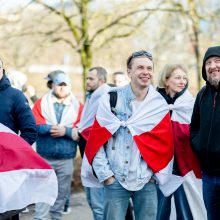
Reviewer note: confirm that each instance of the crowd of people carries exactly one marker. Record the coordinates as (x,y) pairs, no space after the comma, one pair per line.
(142,146)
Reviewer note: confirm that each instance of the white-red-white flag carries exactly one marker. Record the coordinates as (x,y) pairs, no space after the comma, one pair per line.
(188,164)
(44,113)
(25,177)
(90,109)
(151,128)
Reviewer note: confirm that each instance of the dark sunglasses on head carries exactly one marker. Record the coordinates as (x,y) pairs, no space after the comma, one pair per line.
(142,53)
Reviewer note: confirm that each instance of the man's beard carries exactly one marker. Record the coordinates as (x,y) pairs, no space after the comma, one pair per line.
(214,82)
(60,96)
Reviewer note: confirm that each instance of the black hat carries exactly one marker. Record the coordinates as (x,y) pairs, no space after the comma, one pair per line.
(212,51)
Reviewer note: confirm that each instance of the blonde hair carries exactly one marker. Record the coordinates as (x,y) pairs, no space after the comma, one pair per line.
(167,72)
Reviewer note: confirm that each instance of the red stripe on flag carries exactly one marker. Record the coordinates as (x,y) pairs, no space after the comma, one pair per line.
(96,141)
(185,157)
(17,154)
(38,113)
(156,146)
(86,132)
(78,115)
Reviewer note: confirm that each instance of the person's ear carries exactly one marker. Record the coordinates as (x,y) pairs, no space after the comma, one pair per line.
(129,72)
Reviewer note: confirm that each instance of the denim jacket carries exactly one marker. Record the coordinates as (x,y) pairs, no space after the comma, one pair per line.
(115,157)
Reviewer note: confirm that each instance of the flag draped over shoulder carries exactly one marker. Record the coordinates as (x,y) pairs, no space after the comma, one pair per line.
(90,109)
(151,129)
(44,113)
(188,164)
(25,177)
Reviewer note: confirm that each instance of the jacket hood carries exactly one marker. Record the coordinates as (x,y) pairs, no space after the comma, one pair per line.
(212,51)
(4,83)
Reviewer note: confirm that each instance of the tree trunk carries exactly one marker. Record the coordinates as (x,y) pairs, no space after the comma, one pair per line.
(85,50)
(197,55)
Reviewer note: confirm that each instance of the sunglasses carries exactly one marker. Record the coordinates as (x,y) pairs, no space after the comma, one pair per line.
(142,53)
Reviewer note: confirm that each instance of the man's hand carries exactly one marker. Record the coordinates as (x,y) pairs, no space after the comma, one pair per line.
(110,180)
(57,131)
(75,135)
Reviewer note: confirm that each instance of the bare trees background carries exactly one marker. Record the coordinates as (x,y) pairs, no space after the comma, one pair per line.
(101,32)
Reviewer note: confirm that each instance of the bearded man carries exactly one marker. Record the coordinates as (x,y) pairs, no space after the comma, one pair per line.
(205,130)
(57,113)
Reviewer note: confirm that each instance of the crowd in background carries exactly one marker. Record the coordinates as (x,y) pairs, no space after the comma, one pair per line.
(142,146)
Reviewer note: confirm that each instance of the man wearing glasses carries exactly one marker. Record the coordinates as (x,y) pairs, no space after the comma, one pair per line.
(131,136)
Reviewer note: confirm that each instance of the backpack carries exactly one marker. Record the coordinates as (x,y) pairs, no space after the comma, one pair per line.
(113,101)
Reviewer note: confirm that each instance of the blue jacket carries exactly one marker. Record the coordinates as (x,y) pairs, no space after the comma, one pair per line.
(59,147)
(15,112)
(55,148)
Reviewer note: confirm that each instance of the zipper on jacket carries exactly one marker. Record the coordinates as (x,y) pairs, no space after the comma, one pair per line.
(214,103)
(211,128)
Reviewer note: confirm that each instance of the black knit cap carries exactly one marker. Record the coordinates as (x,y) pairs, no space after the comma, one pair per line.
(211,52)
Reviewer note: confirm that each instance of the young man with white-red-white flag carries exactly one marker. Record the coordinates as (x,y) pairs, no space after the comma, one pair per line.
(130,147)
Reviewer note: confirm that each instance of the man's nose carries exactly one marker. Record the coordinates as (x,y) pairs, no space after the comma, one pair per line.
(212,65)
(146,70)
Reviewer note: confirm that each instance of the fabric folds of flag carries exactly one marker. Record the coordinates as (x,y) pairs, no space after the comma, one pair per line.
(44,113)
(151,129)
(188,163)
(90,109)
(25,177)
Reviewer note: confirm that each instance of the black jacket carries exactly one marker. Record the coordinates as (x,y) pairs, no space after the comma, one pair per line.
(205,123)
(15,112)
(205,129)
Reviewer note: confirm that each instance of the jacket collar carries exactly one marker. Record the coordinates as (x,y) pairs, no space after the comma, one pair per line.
(130,96)
(4,83)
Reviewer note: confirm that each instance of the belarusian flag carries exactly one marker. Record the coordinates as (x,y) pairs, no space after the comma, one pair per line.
(44,113)
(187,162)
(25,177)
(90,109)
(151,128)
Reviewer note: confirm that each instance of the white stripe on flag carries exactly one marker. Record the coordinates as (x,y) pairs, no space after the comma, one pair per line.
(193,190)
(20,188)
(87,175)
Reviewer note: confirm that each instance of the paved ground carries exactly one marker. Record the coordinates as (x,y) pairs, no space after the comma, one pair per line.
(79,207)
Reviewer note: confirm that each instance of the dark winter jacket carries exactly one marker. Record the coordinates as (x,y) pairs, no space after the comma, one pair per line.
(205,123)
(15,112)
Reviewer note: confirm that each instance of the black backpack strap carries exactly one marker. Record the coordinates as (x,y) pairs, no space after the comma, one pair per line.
(113,100)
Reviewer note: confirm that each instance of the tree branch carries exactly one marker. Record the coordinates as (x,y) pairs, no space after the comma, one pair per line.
(117,20)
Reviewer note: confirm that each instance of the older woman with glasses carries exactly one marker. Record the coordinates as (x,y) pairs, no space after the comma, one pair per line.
(173,86)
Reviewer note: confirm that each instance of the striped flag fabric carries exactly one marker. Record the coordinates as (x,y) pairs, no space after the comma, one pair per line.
(90,109)
(188,163)
(44,113)
(151,128)
(25,177)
